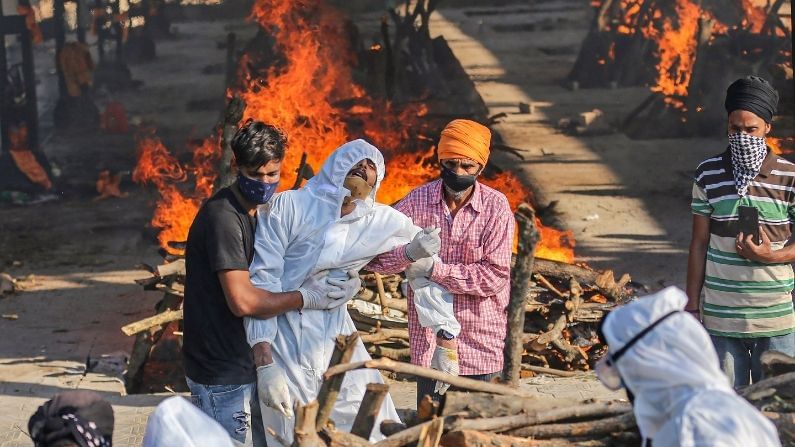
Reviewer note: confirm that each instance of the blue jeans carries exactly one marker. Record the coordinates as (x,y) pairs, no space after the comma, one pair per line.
(235,407)
(425,386)
(740,357)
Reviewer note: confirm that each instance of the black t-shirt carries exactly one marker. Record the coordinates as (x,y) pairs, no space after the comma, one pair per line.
(215,349)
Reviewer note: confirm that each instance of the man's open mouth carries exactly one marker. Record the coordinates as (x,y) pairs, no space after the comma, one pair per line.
(358,173)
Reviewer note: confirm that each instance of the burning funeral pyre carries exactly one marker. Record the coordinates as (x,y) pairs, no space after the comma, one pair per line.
(688,52)
(307,85)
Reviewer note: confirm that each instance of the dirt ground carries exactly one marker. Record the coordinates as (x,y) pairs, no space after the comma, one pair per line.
(626,201)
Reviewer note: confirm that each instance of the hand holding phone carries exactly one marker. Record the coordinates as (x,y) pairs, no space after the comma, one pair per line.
(748,223)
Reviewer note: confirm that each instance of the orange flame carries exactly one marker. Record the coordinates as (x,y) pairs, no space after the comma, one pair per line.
(782,146)
(312,97)
(677,47)
(176,208)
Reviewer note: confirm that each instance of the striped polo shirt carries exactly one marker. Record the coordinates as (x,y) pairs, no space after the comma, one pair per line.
(744,298)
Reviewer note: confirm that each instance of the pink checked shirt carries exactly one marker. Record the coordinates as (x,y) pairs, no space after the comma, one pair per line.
(476,260)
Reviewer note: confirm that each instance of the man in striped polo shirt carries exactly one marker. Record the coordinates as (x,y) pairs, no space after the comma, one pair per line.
(747,306)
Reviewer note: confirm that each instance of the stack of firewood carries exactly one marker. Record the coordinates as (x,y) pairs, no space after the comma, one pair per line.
(495,415)
(564,307)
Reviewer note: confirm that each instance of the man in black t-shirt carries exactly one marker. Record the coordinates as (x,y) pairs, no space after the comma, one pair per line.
(219,364)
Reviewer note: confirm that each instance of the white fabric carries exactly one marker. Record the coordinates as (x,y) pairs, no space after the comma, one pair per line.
(299,234)
(682,398)
(434,305)
(178,422)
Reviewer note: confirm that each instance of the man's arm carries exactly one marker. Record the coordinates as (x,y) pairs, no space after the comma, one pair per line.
(396,260)
(764,252)
(492,273)
(696,261)
(245,300)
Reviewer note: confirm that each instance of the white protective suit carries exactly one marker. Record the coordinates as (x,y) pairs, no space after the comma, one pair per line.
(177,422)
(300,233)
(682,398)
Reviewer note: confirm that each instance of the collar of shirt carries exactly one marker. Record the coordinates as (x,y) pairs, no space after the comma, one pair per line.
(767,164)
(475,201)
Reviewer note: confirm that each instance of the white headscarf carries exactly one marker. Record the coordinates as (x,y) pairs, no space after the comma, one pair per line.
(682,398)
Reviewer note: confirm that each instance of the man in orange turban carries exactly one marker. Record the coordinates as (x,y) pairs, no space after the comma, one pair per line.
(474,262)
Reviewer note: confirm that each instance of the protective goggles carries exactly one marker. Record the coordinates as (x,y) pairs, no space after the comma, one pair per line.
(605,368)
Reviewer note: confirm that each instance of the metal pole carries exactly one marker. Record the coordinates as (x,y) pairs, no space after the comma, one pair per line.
(4,137)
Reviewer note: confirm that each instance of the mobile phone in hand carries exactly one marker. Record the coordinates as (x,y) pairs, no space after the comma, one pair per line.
(749,223)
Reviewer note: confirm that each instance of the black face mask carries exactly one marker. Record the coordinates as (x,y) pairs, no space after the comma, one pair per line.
(457,182)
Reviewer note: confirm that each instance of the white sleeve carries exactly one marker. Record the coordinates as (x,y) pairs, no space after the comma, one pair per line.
(434,306)
(270,245)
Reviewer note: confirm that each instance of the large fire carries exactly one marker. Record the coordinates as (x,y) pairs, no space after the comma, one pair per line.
(311,95)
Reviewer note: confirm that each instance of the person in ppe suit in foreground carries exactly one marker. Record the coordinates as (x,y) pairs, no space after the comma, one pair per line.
(665,360)
(333,224)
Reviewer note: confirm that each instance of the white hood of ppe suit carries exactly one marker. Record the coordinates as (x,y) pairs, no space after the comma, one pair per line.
(301,233)
(178,422)
(682,398)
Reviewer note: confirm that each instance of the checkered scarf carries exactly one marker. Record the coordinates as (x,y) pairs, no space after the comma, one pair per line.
(748,152)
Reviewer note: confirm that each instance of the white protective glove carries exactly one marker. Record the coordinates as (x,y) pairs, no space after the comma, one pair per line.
(446,361)
(272,389)
(425,243)
(419,272)
(349,286)
(324,293)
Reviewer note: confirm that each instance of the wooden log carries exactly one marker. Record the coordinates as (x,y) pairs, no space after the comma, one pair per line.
(407,368)
(472,438)
(231,117)
(785,424)
(368,410)
(431,434)
(574,303)
(520,282)
(389,427)
(370,296)
(583,275)
(619,423)
(548,285)
(411,434)
(305,433)
(540,343)
(151,322)
(142,346)
(542,416)
(172,268)
(343,352)
(343,439)
(780,384)
(392,353)
(384,334)
(775,363)
(379,283)
(487,405)
(551,371)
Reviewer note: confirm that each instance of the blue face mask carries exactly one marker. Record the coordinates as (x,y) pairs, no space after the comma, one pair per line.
(255,191)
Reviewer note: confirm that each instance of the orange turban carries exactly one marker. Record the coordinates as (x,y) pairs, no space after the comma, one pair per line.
(465,139)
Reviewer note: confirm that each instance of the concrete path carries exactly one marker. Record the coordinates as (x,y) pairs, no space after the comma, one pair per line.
(626,201)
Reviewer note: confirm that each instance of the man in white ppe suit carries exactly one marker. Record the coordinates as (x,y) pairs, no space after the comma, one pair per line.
(665,360)
(333,224)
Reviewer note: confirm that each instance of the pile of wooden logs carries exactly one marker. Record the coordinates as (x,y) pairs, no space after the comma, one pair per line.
(495,415)
(565,304)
